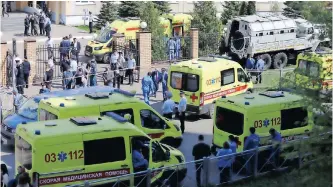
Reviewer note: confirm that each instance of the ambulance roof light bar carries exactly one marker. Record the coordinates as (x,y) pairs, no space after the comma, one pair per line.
(97,95)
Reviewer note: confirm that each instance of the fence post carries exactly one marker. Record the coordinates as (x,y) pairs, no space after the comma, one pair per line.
(194,33)
(205,165)
(255,172)
(30,52)
(148,175)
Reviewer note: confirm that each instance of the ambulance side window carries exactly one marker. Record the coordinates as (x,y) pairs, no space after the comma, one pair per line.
(241,75)
(122,113)
(102,151)
(296,120)
(150,120)
(227,76)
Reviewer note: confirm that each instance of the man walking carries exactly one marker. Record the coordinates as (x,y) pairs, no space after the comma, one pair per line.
(33,22)
(199,151)
(260,69)
(164,82)
(26,26)
(182,110)
(26,71)
(131,64)
(147,87)
(91,18)
(92,73)
(64,67)
(157,77)
(76,48)
(47,26)
(20,83)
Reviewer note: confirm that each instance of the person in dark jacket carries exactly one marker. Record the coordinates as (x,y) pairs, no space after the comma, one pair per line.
(20,83)
(66,74)
(26,71)
(26,26)
(48,77)
(64,47)
(41,23)
(200,150)
(76,48)
(33,22)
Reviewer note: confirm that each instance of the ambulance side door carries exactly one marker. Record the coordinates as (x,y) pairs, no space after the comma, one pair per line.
(151,122)
(228,82)
(100,158)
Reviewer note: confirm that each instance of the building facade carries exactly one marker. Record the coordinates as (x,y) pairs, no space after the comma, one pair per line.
(73,12)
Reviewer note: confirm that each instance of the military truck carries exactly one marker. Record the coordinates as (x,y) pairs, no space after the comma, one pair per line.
(275,37)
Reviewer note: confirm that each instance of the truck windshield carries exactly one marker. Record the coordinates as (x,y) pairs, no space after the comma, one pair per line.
(105,35)
(229,121)
(185,81)
(23,153)
(29,109)
(45,115)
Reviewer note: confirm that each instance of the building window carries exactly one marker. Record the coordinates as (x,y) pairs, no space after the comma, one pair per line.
(292,30)
(245,27)
(260,34)
(271,33)
(84,2)
(281,32)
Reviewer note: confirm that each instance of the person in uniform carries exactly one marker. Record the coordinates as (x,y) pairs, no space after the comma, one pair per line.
(199,151)
(177,47)
(92,72)
(26,25)
(147,87)
(20,83)
(164,82)
(168,106)
(224,163)
(171,48)
(181,110)
(47,26)
(26,71)
(121,64)
(251,142)
(276,142)
(157,77)
(91,18)
(41,24)
(260,68)
(131,64)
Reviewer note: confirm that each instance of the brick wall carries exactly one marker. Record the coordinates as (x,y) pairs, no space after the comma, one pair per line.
(194,33)
(30,53)
(144,46)
(3,64)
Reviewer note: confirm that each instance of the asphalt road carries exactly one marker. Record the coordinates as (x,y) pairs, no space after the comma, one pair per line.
(194,127)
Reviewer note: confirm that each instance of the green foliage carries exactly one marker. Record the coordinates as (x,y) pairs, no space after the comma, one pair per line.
(150,14)
(243,9)
(204,18)
(130,8)
(275,7)
(109,12)
(162,6)
(251,8)
(230,10)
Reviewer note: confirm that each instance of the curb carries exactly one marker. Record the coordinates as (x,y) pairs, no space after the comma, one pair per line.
(43,40)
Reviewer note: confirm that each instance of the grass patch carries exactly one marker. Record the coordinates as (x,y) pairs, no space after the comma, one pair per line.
(86,28)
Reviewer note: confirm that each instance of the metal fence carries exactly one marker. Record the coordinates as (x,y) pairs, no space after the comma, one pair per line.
(162,53)
(235,167)
(271,78)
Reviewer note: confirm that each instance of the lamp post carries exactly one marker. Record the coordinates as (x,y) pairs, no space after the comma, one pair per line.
(143,25)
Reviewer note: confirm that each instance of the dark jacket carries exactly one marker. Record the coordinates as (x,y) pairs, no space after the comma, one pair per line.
(200,150)
(20,75)
(26,22)
(48,76)
(78,46)
(65,65)
(65,46)
(26,67)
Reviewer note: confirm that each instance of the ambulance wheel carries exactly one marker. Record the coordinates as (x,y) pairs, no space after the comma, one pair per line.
(106,58)
(211,111)
(280,60)
(268,60)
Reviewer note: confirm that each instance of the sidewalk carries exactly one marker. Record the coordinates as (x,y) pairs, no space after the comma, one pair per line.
(57,33)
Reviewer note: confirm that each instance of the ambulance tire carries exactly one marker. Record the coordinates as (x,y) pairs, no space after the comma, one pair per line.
(268,60)
(106,58)
(280,60)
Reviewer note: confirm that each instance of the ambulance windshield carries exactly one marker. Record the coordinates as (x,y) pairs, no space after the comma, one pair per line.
(229,121)
(105,35)
(29,109)
(23,153)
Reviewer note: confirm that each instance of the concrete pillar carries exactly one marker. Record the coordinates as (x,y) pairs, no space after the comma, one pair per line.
(118,42)
(144,47)
(194,34)
(30,52)
(34,4)
(3,64)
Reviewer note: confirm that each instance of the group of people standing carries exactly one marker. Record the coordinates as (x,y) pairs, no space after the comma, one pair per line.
(225,163)
(22,178)
(255,67)
(41,21)
(173,48)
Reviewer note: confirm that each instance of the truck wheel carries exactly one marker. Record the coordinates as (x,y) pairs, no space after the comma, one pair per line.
(268,60)
(280,60)
(106,58)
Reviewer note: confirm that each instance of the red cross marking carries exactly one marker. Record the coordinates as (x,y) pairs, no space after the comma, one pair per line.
(193,97)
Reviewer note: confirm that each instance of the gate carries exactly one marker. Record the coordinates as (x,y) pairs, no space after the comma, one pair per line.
(42,55)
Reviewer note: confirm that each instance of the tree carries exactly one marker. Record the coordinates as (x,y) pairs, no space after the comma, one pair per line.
(162,6)
(243,9)
(230,10)
(275,7)
(210,28)
(130,8)
(108,13)
(151,15)
(251,8)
